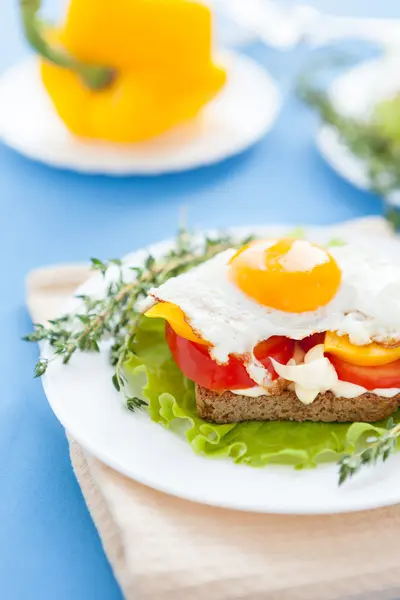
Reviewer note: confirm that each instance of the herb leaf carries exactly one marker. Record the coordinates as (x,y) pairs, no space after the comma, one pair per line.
(368,139)
(378,450)
(116,316)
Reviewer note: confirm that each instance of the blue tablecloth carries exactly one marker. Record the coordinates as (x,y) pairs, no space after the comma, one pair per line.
(49,547)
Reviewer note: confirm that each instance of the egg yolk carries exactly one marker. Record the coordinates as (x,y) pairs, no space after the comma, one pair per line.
(288,275)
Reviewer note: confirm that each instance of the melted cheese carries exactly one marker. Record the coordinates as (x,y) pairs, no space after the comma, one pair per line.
(316,375)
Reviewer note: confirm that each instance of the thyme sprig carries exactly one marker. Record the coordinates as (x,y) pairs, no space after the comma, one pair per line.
(378,450)
(115,316)
(365,138)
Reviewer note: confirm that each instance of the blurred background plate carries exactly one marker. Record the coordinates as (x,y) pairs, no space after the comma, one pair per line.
(339,157)
(237,118)
(355,94)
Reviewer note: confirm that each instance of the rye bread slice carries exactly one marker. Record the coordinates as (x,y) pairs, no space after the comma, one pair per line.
(285,406)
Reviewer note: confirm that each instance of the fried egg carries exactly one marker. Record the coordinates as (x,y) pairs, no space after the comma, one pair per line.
(285,287)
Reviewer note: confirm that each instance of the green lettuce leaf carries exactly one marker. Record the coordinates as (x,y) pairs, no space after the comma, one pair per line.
(154,377)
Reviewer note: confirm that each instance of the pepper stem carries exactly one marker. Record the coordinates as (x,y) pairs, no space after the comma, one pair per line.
(93,76)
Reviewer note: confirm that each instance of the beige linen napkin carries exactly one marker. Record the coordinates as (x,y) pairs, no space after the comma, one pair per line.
(163,548)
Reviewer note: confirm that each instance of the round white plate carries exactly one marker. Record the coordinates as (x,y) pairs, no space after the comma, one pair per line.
(85,401)
(237,118)
(355,94)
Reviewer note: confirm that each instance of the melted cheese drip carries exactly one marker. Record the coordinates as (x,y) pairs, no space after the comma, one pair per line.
(316,375)
(253,392)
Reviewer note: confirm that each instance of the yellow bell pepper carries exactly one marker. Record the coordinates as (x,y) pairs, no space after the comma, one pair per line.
(371,355)
(126,70)
(176,318)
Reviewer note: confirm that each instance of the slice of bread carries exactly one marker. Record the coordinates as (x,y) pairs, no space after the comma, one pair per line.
(285,406)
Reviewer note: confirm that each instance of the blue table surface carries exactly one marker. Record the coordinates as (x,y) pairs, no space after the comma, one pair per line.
(49,547)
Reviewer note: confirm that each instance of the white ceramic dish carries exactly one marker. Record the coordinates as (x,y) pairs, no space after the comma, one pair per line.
(86,403)
(239,117)
(354,94)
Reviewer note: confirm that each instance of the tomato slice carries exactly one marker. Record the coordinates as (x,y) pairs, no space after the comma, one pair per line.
(312,340)
(382,376)
(195,362)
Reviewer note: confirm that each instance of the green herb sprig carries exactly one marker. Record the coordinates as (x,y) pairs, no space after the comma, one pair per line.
(115,316)
(378,450)
(367,139)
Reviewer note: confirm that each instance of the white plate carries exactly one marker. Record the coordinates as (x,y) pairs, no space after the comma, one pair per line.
(236,119)
(86,403)
(355,94)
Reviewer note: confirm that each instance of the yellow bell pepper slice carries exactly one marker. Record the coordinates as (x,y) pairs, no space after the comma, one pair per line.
(126,70)
(177,319)
(371,355)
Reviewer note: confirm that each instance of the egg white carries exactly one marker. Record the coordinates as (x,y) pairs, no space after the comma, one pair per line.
(366,306)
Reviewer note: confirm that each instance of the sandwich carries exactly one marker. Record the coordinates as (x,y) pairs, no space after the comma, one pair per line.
(288,330)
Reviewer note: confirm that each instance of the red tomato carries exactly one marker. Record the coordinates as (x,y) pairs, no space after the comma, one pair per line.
(312,340)
(195,362)
(383,376)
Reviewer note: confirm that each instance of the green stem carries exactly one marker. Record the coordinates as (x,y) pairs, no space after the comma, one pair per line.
(393,215)
(94,77)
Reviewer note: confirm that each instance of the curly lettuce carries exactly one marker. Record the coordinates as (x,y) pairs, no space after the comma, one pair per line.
(154,377)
